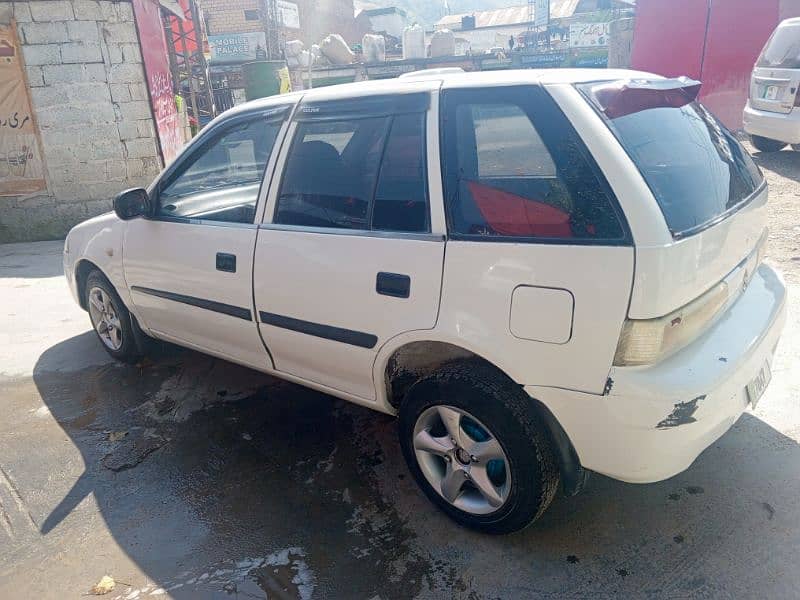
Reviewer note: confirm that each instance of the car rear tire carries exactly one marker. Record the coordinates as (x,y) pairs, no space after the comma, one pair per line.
(111,321)
(476,447)
(767,145)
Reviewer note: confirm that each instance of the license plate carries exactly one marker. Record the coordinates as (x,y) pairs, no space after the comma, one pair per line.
(771,92)
(755,389)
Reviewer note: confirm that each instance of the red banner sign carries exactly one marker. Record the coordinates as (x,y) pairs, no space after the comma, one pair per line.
(159,78)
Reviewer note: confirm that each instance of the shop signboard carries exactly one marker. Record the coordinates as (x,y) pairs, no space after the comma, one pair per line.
(588,35)
(541,14)
(549,59)
(592,59)
(234,48)
(21,165)
(159,78)
(289,14)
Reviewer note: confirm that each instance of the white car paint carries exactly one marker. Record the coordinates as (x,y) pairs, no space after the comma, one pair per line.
(778,117)
(462,294)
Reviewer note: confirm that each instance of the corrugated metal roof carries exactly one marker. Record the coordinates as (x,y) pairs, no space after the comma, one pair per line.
(513,15)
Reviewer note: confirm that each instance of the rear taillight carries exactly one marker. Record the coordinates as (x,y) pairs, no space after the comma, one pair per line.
(647,341)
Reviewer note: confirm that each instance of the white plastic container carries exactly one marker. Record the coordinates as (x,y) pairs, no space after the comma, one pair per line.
(294,48)
(374,47)
(414,42)
(336,50)
(443,43)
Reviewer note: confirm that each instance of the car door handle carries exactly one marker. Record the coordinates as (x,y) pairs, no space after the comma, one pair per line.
(393,284)
(226,262)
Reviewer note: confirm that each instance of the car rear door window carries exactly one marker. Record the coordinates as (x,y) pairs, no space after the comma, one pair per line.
(331,173)
(515,168)
(401,196)
(364,173)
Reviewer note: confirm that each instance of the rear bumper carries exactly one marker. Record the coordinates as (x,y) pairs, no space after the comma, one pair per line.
(656,420)
(784,127)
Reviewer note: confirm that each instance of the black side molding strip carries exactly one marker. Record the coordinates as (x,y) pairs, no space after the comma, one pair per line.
(337,334)
(225,309)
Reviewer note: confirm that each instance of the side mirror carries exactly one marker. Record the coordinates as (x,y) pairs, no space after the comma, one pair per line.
(132,203)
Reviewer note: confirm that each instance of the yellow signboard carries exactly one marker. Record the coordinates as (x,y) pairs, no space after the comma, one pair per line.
(21,166)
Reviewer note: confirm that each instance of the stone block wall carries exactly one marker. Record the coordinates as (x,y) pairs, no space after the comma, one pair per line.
(89,94)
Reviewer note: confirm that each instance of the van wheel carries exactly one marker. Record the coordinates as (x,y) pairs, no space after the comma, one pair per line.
(110,319)
(767,145)
(477,449)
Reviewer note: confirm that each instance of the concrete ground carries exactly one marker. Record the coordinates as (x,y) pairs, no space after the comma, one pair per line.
(188,477)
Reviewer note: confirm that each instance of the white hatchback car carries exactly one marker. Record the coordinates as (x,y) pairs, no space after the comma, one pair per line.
(541,272)
(772,113)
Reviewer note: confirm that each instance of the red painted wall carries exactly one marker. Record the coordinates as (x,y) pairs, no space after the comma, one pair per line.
(715,41)
(668,37)
(737,31)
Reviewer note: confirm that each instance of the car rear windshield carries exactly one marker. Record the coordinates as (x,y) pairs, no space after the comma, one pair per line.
(697,170)
(782,50)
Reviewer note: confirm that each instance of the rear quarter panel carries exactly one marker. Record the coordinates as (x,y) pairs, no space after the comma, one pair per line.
(480,278)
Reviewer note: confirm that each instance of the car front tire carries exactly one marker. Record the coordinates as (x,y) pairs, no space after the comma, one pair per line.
(767,145)
(111,321)
(476,447)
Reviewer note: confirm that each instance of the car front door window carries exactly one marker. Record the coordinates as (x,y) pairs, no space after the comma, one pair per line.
(220,181)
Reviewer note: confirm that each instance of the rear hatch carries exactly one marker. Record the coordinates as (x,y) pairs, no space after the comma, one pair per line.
(711,194)
(776,76)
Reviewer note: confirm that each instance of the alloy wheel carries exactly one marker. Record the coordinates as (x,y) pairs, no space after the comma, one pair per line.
(462,460)
(105,318)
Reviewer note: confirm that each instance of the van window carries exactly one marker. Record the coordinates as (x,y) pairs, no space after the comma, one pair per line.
(782,50)
(515,168)
(358,173)
(697,169)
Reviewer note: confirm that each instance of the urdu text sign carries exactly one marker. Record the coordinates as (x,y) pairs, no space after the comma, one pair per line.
(21,165)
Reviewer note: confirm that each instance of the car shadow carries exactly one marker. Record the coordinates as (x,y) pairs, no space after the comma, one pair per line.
(785,163)
(217,480)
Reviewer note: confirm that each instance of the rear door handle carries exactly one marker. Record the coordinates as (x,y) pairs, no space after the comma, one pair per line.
(226,262)
(393,284)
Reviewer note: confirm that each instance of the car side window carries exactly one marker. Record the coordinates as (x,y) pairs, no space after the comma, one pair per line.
(401,196)
(515,168)
(357,173)
(220,181)
(331,172)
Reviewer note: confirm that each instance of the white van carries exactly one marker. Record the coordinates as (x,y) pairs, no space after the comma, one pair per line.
(772,114)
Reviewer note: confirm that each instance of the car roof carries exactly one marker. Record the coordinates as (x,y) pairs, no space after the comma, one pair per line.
(425,81)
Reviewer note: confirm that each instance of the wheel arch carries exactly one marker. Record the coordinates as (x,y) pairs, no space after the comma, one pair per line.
(82,269)
(406,363)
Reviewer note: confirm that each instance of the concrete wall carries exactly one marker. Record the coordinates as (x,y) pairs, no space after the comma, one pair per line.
(392,23)
(89,94)
(620,42)
(317,19)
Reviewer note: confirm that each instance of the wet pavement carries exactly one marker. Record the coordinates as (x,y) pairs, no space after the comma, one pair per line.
(188,477)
